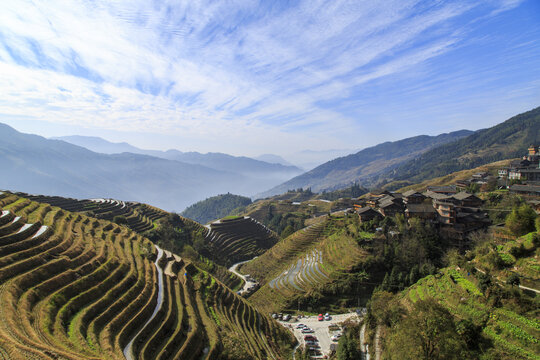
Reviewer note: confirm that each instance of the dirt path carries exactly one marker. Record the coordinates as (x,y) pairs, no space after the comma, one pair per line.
(502,283)
(378,350)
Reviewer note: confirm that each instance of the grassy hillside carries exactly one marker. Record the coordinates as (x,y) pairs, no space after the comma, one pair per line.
(451,179)
(482,303)
(215,207)
(507,140)
(506,330)
(365,164)
(320,261)
(82,288)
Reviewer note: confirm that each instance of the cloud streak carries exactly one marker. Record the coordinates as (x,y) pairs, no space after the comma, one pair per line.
(221,70)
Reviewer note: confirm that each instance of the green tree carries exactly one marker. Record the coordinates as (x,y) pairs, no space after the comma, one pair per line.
(513,280)
(428,333)
(521,220)
(348,348)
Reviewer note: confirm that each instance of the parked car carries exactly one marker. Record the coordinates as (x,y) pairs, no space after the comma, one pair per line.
(310,338)
(307,331)
(335,337)
(320,318)
(286,317)
(327,317)
(274,316)
(300,326)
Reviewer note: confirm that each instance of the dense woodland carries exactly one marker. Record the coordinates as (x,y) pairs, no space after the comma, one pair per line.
(215,207)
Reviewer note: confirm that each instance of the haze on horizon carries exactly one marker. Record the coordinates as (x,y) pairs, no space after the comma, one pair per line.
(249,78)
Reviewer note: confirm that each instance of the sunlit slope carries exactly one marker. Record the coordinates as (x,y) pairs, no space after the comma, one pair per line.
(74,287)
(513,335)
(138,217)
(311,258)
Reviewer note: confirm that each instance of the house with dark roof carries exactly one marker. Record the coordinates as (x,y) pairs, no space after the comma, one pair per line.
(466,199)
(390,207)
(424,211)
(413,197)
(531,190)
(367,214)
(436,196)
(446,190)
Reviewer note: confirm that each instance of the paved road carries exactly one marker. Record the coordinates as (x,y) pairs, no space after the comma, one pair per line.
(321,329)
(247,283)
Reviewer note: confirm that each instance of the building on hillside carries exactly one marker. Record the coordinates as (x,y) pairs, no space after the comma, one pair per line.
(390,207)
(467,221)
(465,199)
(463,184)
(436,196)
(446,211)
(445,190)
(367,214)
(424,211)
(525,189)
(525,169)
(413,197)
(480,175)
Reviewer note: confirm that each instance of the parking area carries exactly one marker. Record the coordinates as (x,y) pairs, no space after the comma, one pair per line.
(320,329)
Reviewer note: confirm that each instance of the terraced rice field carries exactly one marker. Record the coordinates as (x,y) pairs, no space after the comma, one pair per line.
(239,239)
(75,287)
(307,271)
(308,259)
(516,334)
(285,252)
(139,217)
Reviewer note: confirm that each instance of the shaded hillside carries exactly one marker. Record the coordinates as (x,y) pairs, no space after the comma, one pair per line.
(215,207)
(365,165)
(82,288)
(34,164)
(509,139)
(236,239)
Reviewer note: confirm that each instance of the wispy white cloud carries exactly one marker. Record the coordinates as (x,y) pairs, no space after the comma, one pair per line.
(228,70)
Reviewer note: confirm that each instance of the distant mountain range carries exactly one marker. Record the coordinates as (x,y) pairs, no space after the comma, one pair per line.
(34,164)
(364,165)
(273,159)
(274,170)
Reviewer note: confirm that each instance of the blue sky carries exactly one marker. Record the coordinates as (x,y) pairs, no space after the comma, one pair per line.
(248,77)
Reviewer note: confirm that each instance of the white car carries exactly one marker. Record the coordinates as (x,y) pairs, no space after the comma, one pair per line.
(307,331)
(335,337)
(327,317)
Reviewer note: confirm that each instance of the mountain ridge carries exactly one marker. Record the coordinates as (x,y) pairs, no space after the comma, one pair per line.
(364,164)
